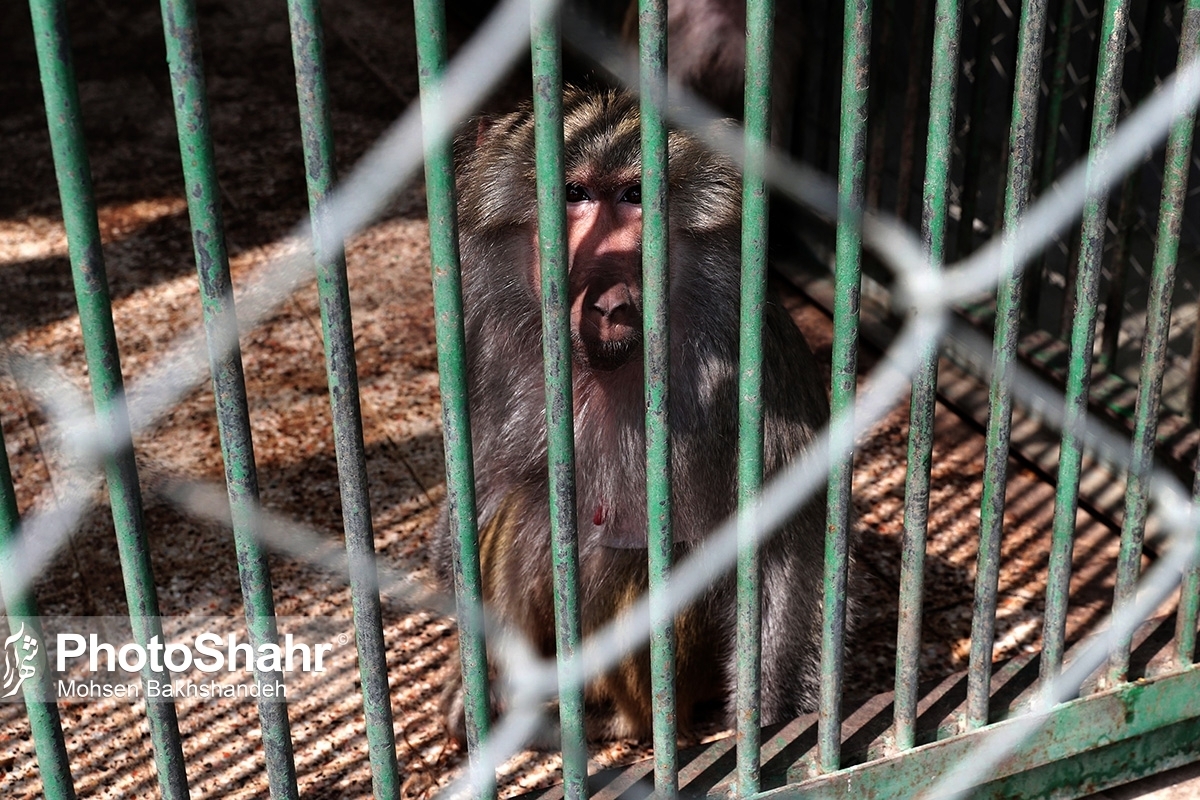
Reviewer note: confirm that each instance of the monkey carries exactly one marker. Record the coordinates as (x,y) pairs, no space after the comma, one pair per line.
(498,239)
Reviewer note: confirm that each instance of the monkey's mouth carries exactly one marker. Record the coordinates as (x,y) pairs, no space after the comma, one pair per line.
(607,326)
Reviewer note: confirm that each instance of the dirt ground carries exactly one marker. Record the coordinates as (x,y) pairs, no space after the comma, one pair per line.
(119,60)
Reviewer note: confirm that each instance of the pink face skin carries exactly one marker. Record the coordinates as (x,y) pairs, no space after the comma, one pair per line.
(604,245)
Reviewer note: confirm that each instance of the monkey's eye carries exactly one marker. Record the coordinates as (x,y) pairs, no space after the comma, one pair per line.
(633,195)
(577,194)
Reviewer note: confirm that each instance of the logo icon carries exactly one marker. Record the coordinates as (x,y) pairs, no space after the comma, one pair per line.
(20,650)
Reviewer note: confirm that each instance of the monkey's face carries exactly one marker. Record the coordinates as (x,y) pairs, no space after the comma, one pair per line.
(604,237)
(498,194)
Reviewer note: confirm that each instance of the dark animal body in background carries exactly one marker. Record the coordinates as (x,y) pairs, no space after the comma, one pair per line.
(706,52)
(706,49)
(497,219)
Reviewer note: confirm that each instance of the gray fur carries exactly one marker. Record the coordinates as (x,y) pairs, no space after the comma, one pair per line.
(503,326)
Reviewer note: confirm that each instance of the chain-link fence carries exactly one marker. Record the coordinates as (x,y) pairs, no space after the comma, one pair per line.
(1138,726)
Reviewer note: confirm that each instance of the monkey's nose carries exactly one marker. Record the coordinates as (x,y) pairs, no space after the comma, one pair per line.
(615,304)
(608,327)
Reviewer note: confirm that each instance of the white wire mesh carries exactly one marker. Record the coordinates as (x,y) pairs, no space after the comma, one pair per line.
(925,297)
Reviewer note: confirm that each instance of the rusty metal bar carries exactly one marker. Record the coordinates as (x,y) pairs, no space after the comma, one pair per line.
(939,155)
(652,33)
(1023,127)
(104,368)
(552,232)
(848,284)
(333,290)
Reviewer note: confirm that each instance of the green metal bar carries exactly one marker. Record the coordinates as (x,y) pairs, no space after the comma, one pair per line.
(1166,257)
(552,241)
(847,287)
(53,763)
(104,366)
(1007,89)
(759,39)
(1022,135)
(1178,145)
(974,147)
(1114,299)
(333,288)
(1058,83)
(1021,145)
(652,34)
(1071,276)
(1054,106)
(1087,744)
(1189,588)
(1091,250)
(1152,28)
(430,18)
(229,386)
(938,160)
